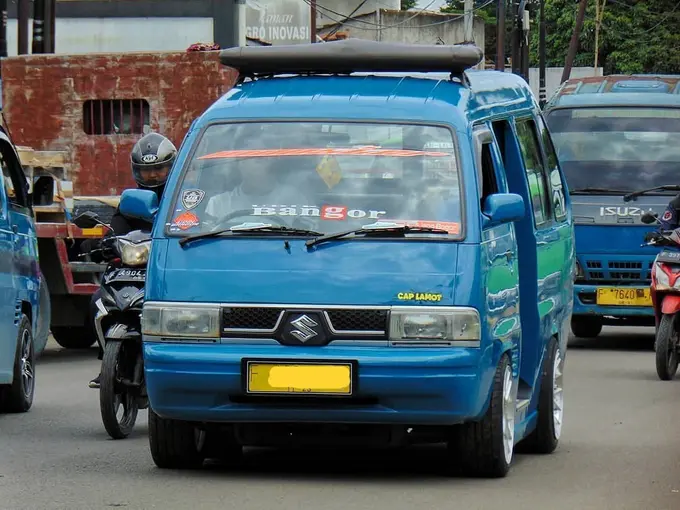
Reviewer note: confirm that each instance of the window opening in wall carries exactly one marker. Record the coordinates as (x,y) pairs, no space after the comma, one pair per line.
(115,116)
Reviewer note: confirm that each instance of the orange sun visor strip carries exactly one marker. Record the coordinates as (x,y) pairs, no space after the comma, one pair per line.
(323,151)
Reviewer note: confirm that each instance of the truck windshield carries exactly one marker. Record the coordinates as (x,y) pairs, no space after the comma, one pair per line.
(620,149)
(322,177)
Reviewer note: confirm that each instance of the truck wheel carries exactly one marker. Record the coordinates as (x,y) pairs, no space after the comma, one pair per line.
(485,448)
(175,444)
(667,348)
(546,435)
(584,326)
(18,397)
(73,337)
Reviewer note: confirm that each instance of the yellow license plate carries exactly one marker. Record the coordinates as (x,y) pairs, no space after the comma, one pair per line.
(297,377)
(623,296)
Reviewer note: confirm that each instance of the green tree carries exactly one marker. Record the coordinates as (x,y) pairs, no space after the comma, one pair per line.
(408,4)
(636,36)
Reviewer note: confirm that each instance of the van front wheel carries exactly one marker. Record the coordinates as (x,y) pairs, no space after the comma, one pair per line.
(485,448)
(175,444)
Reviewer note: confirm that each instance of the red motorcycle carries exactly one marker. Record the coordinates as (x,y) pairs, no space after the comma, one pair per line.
(665,292)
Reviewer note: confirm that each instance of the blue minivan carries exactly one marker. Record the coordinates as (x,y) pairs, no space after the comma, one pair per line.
(24,299)
(340,256)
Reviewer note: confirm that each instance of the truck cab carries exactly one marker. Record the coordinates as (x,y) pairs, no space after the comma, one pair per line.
(615,135)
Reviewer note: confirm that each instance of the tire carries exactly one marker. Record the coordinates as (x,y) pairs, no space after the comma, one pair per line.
(584,326)
(480,446)
(109,402)
(18,397)
(73,337)
(666,347)
(546,436)
(175,444)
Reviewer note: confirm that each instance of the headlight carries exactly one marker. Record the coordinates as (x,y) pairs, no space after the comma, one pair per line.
(455,326)
(579,271)
(134,254)
(186,320)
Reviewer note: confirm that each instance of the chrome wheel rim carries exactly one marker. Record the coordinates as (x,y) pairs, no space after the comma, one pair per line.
(508,414)
(558,395)
(26,365)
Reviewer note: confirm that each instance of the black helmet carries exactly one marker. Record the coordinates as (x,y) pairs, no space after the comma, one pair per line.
(152,152)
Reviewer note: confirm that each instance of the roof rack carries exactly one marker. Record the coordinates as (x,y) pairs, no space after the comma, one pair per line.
(351,56)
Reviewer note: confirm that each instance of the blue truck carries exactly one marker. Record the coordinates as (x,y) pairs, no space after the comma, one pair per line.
(615,135)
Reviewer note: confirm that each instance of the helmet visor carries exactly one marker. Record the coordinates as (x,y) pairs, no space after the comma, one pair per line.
(152,175)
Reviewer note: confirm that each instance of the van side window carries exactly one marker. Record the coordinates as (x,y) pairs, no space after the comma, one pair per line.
(553,171)
(533,162)
(489,181)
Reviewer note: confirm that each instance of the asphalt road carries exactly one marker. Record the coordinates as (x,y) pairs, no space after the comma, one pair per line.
(620,450)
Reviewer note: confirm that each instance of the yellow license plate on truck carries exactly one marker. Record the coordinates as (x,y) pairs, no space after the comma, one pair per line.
(623,296)
(299,378)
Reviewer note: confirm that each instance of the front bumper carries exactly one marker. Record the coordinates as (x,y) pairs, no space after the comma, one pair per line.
(585,304)
(411,386)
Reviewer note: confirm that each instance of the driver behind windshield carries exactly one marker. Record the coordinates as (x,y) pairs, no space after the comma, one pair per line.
(259,185)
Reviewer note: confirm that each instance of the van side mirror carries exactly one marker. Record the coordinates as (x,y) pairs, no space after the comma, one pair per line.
(141,204)
(649,217)
(502,208)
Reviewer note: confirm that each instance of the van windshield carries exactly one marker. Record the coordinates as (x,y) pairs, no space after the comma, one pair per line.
(623,148)
(322,177)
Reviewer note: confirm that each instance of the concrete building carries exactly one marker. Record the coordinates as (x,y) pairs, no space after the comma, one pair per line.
(407,27)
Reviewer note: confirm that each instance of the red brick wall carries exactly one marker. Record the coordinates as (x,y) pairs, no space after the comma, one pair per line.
(43,97)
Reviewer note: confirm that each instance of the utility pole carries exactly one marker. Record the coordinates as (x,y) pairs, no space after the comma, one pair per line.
(526,22)
(468,10)
(3,28)
(312,20)
(240,22)
(599,13)
(38,45)
(515,55)
(541,57)
(22,26)
(500,35)
(573,45)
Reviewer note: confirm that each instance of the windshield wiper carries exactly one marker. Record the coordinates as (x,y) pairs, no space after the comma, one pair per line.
(379,227)
(586,191)
(265,228)
(635,194)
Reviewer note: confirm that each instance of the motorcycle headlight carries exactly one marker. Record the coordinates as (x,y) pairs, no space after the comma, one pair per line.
(133,254)
(185,320)
(454,326)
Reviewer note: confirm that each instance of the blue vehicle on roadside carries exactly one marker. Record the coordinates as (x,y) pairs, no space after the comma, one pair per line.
(340,257)
(24,300)
(618,141)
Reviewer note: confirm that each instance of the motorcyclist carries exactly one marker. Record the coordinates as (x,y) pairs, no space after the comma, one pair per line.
(151,159)
(670,219)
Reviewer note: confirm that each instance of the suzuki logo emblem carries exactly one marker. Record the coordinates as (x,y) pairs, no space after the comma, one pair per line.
(304,328)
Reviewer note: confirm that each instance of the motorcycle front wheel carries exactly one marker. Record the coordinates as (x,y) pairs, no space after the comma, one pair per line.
(117,364)
(666,346)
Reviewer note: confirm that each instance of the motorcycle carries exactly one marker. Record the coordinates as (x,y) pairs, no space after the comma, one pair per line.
(665,293)
(118,326)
